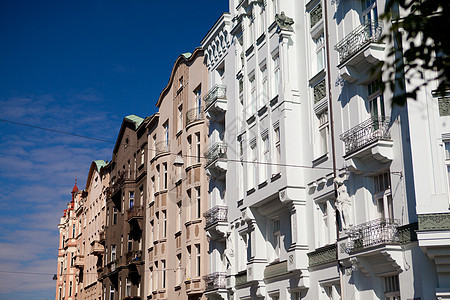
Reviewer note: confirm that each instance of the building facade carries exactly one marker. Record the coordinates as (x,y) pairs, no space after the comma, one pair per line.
(92,217)
(123,270)
(67,277)
(176,243)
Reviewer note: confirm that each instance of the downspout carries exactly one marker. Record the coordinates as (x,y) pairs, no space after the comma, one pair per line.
(333,146)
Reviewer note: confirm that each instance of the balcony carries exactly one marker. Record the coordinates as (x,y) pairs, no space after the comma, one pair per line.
(215,281)
(216,159)
(97,248)
(79,261)
(323,255)
(111,268)
(162,147)
(216,103)
(371,138)
(194,114)
(359,48)
(135,213)
(372,233)
(134,257)
(216,221)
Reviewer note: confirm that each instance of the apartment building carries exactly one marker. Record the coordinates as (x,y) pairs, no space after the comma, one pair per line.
(91,218)
(176,243)
(335,194)
(123,270)
(67,276)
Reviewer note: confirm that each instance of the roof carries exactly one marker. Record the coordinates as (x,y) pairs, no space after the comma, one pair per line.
(135,119)
(99,163)
(75,188)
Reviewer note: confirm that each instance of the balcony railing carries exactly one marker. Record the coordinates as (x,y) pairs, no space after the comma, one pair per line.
(79,261)
(162,147)
(134,256)
(375,128)
(216,151)
(216,214)
(136,212)
(357,39)
(215,281)
(194,114)
(372,233)
(218,91)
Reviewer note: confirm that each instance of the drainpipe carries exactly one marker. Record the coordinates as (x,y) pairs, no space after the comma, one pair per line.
(333,146)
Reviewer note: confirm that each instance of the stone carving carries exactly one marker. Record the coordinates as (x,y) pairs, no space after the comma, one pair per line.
(284,22)
(344,204)
(444,106)
(229,250)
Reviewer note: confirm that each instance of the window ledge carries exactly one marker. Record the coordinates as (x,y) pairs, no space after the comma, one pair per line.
(251,191)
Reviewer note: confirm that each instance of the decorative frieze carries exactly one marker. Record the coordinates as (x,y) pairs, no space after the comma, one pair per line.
(323,255)
(241,278)
(316,14)
(434,221)
(275,269)
(444,106)
(319,91)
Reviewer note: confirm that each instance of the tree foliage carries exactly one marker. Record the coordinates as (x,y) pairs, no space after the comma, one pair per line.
(419,36)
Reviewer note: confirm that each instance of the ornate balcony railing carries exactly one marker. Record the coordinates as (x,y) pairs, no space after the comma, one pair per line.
(194,114)
(216,151)
(372,233)
(216,214)
(218,91)
(357,39)
(162,147)
(136,212)
(323,255)
(215,281)
(375,128)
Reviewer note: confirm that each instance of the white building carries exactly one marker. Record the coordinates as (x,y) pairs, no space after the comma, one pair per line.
(317,184)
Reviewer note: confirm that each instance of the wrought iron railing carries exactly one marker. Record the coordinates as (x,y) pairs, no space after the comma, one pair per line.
(162,147)
(136,212)
(215,281)
(216,151)
(218,91)
(372,233)
(216,214)
(357,39)
(375,128)
(194,114)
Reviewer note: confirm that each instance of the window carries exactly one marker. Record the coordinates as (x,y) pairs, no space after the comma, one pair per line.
(197,260)
(180,118)
(189,155)
(63,240)
(141,195)
(164,233)
(111,293)
(142,155)
(163,274)
(264,95)
(73,230)
(198,203)
(325,222)
(70,288)
(72,259)
(319,53)
(252,102)
(114,222)
(166,134)
(180,82)
(189,212)
(60,293)
(198,101)
(197,139)
(323,132)
(113,253)
(392,288)
(370,13)
(151,280)
(376,100)
(276,239)
(151,232)
(157,225)
(266,156)
(277,150)
(262,22)
(253,165)
(61,268)
(276,77)
(121,245)
(129,243)
(382,195)
(188,267)
(165,176)
(123,202)
(156,286)
(154,145)
(178,275)
(153,189)
(179,216)
(128,287)
(131,199)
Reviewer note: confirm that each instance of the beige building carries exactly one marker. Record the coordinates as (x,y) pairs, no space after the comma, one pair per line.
(92,218)
(176,256)
(69,232)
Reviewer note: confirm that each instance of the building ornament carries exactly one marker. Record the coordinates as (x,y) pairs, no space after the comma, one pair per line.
(284,22)
(343,204)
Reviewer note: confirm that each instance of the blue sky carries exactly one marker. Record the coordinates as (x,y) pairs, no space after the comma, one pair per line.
(80,67)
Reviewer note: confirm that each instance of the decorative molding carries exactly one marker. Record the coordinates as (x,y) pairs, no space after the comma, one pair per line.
(276,269)
(444,106)
(316,14)
(323,255)
(434,221)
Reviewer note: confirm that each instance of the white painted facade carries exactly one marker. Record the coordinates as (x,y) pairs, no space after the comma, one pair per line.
(322,179)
